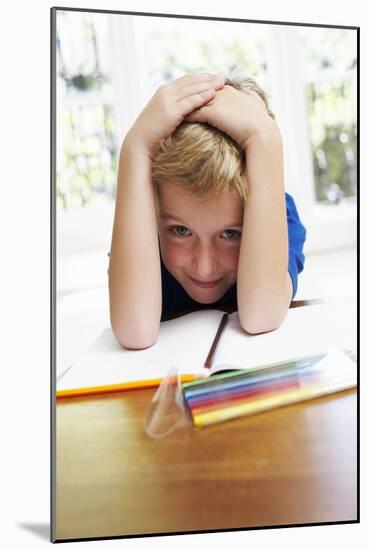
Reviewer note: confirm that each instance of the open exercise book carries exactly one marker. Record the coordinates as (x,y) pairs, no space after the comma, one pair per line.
(185,342)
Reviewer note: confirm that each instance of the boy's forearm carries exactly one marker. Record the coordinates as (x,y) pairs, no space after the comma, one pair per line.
(263,284)
(134,269)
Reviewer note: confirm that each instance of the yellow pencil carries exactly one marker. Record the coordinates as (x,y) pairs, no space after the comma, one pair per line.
(135,385)
(282,398)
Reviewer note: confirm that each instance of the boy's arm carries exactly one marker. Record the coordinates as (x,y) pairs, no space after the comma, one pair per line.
(134,267)
(264,286)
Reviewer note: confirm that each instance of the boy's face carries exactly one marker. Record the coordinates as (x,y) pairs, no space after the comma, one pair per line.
(200,240)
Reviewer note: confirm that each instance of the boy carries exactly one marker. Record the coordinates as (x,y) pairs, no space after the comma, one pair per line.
(202,168)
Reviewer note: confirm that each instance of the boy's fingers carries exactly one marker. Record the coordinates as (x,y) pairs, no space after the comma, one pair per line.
(215,83)
(196,109)
(189,79)
(196,116)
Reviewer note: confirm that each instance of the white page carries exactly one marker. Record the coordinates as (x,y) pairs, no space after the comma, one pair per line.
(305,330)
(183,342)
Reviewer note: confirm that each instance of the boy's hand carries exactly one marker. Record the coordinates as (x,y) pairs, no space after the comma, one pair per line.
(169,106)
(238,114)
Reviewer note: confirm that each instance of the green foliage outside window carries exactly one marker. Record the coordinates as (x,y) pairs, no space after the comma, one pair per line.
(86,146)
(329,60)
(88,165)
(333,136)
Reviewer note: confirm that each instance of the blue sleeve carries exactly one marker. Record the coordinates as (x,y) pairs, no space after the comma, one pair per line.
(296,239)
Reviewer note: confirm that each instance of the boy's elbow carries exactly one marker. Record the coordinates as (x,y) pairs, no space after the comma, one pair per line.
(258,325)
(136,340)
(253,328)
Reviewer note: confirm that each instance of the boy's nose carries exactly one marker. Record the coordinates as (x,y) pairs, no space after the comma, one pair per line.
(205,263)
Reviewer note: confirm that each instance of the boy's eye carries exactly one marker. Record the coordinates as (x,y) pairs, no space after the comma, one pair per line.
(180,231)
(231,234)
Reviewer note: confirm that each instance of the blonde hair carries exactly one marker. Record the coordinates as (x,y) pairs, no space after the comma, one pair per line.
(204,159)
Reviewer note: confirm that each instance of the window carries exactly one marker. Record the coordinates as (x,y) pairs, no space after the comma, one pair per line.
(110,64)
(313,82)
(329,62)
(86,136)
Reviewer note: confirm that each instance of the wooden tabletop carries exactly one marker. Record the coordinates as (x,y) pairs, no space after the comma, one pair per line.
(292,465)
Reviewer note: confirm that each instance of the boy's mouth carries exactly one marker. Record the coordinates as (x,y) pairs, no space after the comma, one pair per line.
(205,284)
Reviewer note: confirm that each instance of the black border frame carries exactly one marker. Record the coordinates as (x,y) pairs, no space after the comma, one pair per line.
(53,103)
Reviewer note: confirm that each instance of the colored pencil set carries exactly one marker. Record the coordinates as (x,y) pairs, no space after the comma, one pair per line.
(232,394)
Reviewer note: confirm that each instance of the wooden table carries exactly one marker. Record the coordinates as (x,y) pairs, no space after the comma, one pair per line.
(292,465)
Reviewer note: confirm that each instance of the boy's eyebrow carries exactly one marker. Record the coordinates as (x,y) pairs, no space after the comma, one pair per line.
(168,215)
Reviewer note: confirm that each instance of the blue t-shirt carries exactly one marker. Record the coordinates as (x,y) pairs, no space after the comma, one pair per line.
(176,299)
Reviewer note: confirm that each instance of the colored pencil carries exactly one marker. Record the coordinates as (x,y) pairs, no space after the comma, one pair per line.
(222,325)
(275,400)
